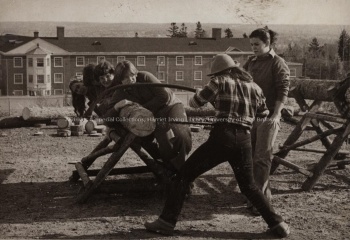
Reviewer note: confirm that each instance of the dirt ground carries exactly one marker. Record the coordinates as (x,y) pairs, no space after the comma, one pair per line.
(38,202)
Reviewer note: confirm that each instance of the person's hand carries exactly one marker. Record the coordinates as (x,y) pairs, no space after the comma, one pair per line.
(275,118)
(119,105)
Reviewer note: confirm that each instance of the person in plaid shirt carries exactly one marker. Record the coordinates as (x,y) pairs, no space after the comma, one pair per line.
(237,101)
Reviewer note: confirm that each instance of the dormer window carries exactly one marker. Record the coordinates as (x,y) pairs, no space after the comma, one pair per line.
(96,43)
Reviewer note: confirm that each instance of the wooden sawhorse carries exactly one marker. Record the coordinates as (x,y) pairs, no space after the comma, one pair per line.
(123,139)
(332,147)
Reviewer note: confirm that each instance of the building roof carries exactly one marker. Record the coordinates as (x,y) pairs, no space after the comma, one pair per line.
(10,41)
(133,45)
(38,51)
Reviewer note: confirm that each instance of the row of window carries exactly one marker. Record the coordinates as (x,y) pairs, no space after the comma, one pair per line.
(80,61)
(58,78)
(33,93)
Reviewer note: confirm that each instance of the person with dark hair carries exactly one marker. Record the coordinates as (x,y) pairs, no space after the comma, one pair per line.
(271,73)
(87,87)
(237,101)
(174,140)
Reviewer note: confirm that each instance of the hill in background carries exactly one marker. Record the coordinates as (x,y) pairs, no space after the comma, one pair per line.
(287,33)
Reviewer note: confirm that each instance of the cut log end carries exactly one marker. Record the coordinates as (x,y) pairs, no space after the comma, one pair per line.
(138,120)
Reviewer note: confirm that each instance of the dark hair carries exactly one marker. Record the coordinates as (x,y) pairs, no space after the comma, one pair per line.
(102,69)
(264,34)
(78,100)
(88,74)
(122,68)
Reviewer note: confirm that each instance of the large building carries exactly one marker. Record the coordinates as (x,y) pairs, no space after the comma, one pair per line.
(44,65)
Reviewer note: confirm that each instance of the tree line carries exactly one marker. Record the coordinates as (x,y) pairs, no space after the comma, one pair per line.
(181,32)
(327,61)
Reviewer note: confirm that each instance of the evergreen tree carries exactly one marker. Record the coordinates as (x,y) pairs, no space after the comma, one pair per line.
(245,35)
(228,33)
(199,32)
(344,46)
(183,31)
(173,30)
(314,48)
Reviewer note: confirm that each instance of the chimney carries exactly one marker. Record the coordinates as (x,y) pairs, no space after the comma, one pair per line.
(60,33)
(216,33)
(36,34)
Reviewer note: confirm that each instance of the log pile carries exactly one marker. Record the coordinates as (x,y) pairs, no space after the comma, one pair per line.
(46,113)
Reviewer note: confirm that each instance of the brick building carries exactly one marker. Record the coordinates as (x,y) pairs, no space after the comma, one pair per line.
(44,65)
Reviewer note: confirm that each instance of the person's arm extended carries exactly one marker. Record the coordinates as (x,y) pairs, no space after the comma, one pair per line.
(207,94)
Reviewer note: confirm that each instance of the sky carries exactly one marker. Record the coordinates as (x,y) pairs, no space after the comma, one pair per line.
(166,11)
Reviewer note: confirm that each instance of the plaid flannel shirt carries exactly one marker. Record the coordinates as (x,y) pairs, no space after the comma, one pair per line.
(235,101)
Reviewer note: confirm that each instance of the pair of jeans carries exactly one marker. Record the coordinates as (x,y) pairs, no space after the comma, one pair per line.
(226,143)
(264,133)
(174,140)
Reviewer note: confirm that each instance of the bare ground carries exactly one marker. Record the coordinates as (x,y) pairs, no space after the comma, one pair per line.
(38,201)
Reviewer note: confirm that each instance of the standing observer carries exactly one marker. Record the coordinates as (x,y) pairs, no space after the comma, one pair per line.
(271,73)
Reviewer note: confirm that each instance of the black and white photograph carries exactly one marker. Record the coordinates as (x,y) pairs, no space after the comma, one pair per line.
(164,119)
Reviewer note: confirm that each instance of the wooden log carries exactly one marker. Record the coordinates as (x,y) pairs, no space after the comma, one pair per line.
(315,150)
(89,160)
(311,139)
(83,175)
(121,171)
(90,126)
(107,167)
(292,166)
(18,122)
(137,120)
(46,113)
(315,89)
(325,117)
(64,122)
(326,158)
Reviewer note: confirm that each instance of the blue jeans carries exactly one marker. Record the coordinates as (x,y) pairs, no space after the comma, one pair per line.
(174,140)
(226,142)
(264,134)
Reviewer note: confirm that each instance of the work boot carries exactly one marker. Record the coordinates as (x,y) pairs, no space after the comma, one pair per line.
(281,230)
(160,226)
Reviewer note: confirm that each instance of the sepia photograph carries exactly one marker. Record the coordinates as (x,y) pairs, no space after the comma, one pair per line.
(186,119)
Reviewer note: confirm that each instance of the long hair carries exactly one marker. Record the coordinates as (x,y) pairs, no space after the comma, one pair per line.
(122,68)
(88,74)
(265,35)
(78,100)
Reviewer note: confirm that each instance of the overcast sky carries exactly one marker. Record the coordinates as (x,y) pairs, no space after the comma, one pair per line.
(166,11)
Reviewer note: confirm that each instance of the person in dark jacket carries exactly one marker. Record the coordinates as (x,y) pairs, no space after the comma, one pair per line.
(174,140)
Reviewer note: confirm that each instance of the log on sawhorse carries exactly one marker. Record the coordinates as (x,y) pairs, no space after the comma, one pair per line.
(123,137)
(332,147)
